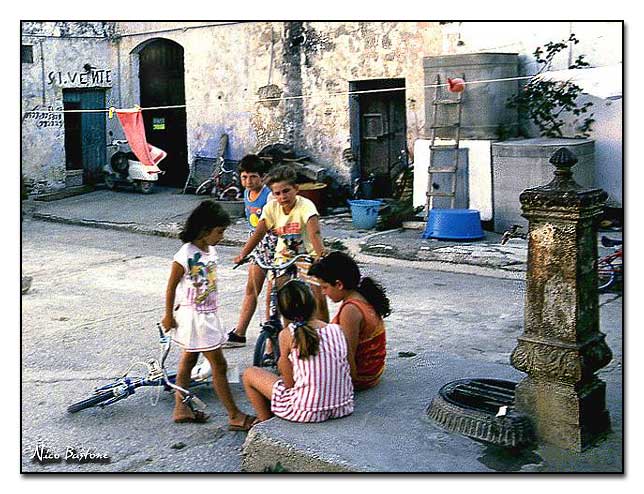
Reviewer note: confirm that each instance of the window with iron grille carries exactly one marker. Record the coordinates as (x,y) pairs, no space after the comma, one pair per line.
(26,53)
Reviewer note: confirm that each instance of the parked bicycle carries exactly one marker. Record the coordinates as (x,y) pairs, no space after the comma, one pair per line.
(223,184)
(271,328)
(214,176)
(157,376)
(610,268)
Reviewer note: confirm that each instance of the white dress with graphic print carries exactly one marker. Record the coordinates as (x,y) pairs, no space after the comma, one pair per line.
(198,326)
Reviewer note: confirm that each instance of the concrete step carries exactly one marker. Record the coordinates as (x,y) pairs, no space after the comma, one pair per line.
(389,430)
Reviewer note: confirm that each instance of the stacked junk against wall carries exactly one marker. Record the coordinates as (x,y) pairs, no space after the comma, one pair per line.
(219,177)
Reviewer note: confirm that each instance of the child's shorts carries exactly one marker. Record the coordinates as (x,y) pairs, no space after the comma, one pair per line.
(302,273)
(265,250)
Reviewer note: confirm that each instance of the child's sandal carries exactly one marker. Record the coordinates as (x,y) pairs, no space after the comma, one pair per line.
(197,417)
(249,421)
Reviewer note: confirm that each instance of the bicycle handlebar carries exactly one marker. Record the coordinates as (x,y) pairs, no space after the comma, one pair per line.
(271,267)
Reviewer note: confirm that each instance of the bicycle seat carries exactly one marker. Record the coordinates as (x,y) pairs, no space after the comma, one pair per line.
(610,242)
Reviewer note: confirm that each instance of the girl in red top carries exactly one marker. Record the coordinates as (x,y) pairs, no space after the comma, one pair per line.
(364,305)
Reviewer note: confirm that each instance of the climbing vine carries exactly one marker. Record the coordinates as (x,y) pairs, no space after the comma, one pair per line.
(547,102)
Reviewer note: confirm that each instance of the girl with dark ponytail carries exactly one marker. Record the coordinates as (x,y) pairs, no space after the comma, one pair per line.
(315,382)
(364,306)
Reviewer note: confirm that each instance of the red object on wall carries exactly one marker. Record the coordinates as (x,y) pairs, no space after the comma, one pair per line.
(456,85)
(132,122)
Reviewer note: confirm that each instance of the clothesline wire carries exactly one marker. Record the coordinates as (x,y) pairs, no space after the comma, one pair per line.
(305,96)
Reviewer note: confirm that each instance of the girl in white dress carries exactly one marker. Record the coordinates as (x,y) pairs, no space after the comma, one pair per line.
(191,307)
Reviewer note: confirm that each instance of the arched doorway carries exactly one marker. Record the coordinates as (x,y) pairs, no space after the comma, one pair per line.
(161,80)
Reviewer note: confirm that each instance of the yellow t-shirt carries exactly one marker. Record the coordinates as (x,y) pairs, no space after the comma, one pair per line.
(293,237)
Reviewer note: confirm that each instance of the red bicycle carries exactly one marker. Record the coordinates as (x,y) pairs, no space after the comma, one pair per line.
(610,268)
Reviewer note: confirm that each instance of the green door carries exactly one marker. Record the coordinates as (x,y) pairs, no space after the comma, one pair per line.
(85,132)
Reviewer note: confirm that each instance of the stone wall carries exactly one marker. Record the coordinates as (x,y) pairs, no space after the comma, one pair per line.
(229,65)
(224,67)
(336,53)
(60,50)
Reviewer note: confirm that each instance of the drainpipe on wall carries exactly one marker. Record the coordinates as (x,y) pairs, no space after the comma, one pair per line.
(118,69)
(293,39)
(570,31)
(42,72)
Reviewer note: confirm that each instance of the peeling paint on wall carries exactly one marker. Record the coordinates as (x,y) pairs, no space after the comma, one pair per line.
(225,67)
(61,50)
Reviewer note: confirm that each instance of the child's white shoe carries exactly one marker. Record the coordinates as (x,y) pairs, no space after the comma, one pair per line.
(201,371)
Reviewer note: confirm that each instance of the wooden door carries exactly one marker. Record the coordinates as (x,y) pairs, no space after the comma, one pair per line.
(161,74)
(382,130)
(85,141)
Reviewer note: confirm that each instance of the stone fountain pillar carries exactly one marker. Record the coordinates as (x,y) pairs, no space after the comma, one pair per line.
(561,347)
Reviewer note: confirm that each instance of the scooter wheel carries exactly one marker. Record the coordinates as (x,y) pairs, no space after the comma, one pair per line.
(145,187)
(119,162)
(110,182)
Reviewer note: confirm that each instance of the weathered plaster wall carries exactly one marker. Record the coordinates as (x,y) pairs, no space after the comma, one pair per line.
(600,42)
(57,64)
(336,53)
(224,67)
(227,64)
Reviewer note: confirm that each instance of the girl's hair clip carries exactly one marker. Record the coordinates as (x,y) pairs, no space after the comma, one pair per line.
(298,324)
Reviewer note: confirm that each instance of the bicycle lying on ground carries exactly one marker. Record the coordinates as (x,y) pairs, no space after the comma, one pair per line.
(157,376)
(271,328)
(610,268)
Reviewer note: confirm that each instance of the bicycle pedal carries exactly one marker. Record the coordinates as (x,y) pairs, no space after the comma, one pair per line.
(268,361)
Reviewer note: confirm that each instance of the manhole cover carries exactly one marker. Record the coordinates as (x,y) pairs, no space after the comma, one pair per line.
(475,408)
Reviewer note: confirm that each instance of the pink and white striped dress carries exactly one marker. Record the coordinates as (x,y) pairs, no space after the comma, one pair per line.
(323,388)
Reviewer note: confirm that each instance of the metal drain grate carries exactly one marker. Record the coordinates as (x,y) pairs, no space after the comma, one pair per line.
(470,407)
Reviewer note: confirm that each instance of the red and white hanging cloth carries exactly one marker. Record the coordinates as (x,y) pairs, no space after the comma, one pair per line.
(132,122)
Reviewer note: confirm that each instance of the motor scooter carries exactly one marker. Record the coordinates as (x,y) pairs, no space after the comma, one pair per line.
(124,168)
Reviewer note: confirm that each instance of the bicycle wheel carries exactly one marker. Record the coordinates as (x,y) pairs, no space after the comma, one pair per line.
(231,193)
(605,275)
(92,401)
(205,188)
(260,350)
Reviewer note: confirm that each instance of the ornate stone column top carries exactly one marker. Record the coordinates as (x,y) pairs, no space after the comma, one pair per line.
(562,191)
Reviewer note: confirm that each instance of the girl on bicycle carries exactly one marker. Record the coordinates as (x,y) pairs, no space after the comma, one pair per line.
(364,305)
(195,325)
(314,383)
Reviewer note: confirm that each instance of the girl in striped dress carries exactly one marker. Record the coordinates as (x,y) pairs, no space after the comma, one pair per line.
(315,382)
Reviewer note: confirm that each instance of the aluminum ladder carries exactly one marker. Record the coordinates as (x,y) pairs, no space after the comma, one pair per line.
(456,127)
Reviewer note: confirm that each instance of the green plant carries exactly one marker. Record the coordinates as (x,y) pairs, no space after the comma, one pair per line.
(547,102)
(503,132)
(396,213)
(278,468)
(402,209)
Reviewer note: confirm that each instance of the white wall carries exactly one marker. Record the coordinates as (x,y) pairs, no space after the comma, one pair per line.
(479,161)
(600,42)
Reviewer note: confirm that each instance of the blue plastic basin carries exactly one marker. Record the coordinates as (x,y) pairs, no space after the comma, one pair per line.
(364,213)
(454,224)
